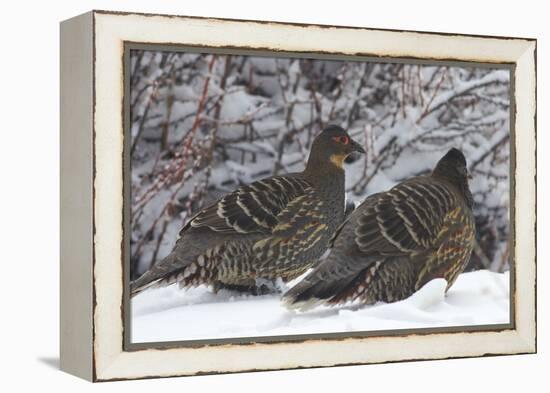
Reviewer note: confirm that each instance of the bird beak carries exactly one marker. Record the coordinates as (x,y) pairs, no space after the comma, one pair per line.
(356,147)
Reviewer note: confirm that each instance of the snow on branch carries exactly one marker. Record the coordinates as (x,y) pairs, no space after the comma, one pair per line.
(203,124)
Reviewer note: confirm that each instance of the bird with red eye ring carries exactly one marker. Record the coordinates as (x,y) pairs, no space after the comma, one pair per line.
(275,228)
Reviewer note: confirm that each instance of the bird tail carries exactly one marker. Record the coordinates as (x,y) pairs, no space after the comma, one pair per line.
(293,300)
(310,293)
(337,280)
(160,274)
(320,287)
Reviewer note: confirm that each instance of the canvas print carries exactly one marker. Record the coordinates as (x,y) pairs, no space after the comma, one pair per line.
(285,196)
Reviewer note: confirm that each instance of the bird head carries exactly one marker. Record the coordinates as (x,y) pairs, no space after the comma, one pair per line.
(333,145)
(453,167)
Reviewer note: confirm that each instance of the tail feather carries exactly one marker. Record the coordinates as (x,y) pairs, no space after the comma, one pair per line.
(300,302)
(313,291)
(306,305)
(336,280)
(137,286)
(162,273)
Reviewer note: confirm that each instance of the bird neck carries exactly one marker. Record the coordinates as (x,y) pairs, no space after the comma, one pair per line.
(460,183)
(325,171)
(468,197)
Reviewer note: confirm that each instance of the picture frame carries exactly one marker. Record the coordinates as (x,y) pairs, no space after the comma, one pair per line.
(94,274)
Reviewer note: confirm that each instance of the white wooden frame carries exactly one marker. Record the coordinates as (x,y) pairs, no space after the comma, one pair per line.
(92,281)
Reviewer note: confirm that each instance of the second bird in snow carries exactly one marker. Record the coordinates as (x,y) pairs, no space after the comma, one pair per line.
(396,241)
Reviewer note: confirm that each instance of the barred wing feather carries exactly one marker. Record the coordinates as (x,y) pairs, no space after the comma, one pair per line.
(252,208)
(405,219)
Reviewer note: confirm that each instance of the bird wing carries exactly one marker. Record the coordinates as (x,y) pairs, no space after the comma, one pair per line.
(302,224)
(453,253)
(252,208)
(406,219)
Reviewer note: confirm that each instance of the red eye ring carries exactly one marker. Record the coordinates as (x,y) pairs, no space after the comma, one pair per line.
(341,139)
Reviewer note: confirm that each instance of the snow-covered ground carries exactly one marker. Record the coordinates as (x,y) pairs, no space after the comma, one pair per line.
(171,314)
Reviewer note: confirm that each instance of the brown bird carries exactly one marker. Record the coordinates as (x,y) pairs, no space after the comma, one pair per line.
(397,241)
(273,228)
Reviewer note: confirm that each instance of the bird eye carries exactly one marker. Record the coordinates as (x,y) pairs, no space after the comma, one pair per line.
(341,139)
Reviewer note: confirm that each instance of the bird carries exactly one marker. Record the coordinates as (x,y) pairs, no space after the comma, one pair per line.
(269,230)
(396,241)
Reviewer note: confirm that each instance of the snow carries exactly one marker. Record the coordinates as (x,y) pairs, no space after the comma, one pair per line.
(265,115)
(500,76)
(171,314)
(263,119)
